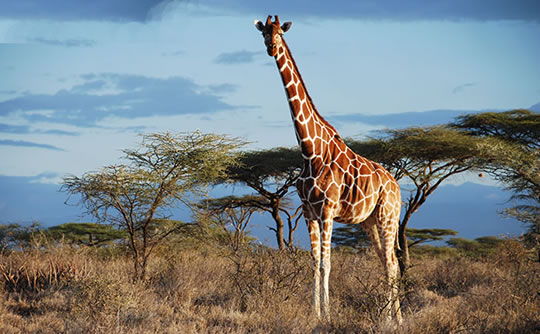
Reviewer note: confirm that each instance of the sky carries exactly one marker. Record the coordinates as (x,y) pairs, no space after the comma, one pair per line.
(81,80)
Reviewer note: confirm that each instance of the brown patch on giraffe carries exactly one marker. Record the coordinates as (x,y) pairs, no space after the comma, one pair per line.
(316,195)
(327,228)
(301,93)
(301,131)
(350,154)
(364,170)
(317,142)
(303,186)
(359,208)
(316,208)
(341,159)
(292,90)
(295,104)
(280,50)
(317,164)
(311,130)
(345,210)
(318,130)
(351,171)
(332,190)
(286,75)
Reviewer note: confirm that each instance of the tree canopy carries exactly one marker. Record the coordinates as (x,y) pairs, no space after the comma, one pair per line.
(88,234)
(518,126)
(271,173)
(422,158)
(164,171)
(515,160)
(354,236)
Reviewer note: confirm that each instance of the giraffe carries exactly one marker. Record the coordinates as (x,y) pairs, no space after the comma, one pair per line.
(335,184)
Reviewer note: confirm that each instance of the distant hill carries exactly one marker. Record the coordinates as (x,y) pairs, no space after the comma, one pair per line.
(412,118)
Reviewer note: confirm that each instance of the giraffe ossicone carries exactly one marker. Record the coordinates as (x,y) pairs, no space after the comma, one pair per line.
(336,184)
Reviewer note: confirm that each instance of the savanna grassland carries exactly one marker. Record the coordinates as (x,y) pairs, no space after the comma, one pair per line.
(206,289)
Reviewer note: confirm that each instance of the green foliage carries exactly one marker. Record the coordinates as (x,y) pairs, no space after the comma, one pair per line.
(11,234)
(518,126)
(164,171)
(18,236)
(231,215)
(279,165)
(428,251)
(88,234)
(271,173)
(351,235)
(420,153)
(478,247)
(354,236)
(424,157)
(417,236)
(515,160)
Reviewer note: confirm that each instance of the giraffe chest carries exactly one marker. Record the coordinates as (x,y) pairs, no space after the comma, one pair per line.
(331,191)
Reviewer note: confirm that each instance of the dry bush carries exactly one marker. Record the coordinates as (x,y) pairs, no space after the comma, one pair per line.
(498,294)
(358,291)
(455,276)
(263,276)
(34,271)
(267,291)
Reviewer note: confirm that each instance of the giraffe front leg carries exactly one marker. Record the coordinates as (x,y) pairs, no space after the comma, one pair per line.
(325,255)
(392,273)
(315,238)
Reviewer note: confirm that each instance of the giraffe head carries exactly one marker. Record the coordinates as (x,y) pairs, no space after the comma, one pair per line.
(272,32)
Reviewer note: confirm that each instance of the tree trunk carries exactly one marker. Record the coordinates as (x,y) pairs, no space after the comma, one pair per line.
(290,240)
(403,250)
(279,224)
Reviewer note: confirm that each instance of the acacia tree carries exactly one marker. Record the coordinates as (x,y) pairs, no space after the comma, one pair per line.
(422,158)
(88,234)
(12,235)
(232,215)
(418,236)
(163,172)
(351,235)
(516,160)
(271,173)
(354,236)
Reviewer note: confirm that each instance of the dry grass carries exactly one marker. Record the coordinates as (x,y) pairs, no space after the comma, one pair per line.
(62,290)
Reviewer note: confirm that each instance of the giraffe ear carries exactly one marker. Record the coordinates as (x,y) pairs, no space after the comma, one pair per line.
(259,25)
(286,26)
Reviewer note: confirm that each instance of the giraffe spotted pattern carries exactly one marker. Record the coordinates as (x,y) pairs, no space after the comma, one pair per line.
(336,184)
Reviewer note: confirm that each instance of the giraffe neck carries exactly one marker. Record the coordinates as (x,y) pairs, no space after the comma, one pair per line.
(313,132)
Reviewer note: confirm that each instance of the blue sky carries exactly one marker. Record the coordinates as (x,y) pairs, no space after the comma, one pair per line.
(81,79)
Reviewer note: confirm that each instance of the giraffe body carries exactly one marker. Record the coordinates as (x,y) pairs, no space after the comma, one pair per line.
(336,184)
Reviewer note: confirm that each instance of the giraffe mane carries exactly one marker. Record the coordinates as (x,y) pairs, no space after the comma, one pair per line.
(326,123)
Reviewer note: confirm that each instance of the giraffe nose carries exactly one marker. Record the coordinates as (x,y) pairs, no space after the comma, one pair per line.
(271,49)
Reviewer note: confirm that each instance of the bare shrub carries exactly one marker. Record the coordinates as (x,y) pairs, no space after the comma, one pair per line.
(263,275)
(268,291)
(34,271)
(496,295)
(455,276)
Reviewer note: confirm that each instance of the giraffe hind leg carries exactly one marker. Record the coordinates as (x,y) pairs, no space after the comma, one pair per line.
(383,240)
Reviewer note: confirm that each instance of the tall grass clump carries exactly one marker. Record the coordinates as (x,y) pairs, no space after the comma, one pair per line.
(254,289)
